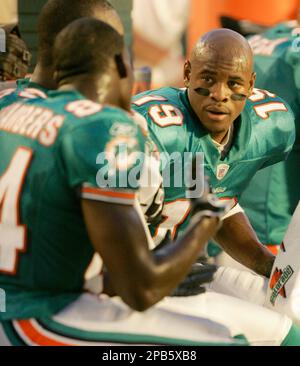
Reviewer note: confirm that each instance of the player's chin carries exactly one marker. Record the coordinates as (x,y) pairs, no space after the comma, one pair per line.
(216,126)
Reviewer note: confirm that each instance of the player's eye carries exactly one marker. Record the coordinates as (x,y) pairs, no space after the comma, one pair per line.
(233,84)
(207,79)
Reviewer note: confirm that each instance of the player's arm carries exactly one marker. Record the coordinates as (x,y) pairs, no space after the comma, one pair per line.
(141,277)
(116,229)
(239,240)
(237,236)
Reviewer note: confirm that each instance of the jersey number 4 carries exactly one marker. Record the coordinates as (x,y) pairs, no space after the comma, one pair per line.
(12,233)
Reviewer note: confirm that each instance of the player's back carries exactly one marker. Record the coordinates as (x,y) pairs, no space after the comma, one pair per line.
(48,153)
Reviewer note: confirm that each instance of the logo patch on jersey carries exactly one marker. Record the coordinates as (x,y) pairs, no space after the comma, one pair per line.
(278,282)
(122,152)
(219,190)
(222,170)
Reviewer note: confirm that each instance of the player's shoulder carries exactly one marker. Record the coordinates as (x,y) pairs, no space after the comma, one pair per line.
(264,104)
(72,111)
(157,96)
(20,90)
(86,120)
(90,128)
(281,30)
(276,41)
(270,116)
(87,113)
(80,111)
(284,29)
(27,89)
(163,108)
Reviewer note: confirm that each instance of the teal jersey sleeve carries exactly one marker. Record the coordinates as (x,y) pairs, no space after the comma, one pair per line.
(293,61)
(169,120)
(273,194)
(277,64)
(273,127)
(104,157)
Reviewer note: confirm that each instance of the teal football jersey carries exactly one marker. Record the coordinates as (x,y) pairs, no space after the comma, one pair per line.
(22,89)
(273,195)
(54,152)
(263,135)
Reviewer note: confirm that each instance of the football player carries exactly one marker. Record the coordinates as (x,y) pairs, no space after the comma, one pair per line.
(239,129)
(55,15)
(57,209)
(273,195)
(55,192)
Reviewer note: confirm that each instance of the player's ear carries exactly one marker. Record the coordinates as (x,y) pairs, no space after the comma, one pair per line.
(187,73)
(252,83)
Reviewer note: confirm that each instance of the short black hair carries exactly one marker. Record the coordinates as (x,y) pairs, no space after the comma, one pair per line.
(56,15)
(86,46)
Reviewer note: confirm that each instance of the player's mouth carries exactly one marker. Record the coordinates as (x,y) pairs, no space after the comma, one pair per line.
(216,114)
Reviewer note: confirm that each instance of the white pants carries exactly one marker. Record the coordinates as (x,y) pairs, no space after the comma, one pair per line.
(208,319)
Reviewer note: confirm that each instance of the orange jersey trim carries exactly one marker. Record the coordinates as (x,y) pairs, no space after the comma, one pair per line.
(114,194)
(35,336)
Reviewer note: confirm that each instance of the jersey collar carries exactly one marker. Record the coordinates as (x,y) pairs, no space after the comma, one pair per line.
(27,83)
(240,139)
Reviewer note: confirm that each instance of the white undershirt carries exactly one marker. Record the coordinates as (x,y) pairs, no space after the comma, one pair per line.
(226,145)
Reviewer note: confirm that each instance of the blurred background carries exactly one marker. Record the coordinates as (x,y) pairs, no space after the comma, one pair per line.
(160,33)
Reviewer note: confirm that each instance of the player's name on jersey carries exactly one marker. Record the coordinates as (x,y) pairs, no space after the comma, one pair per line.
(32,122)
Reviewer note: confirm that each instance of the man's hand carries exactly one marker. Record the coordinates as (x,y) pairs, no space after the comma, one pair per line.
(208,204)
(192,285)
(238,239)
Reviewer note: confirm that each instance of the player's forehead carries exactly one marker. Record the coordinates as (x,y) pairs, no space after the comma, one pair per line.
(221,68)
(222,53)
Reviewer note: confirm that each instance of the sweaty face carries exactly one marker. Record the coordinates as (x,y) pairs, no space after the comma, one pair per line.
(218,89)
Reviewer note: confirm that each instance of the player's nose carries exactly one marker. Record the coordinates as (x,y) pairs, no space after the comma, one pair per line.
(219,92)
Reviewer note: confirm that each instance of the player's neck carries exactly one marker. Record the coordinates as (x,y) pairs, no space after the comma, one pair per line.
(84,86)
(43,76)
(219,137)
(88,86)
